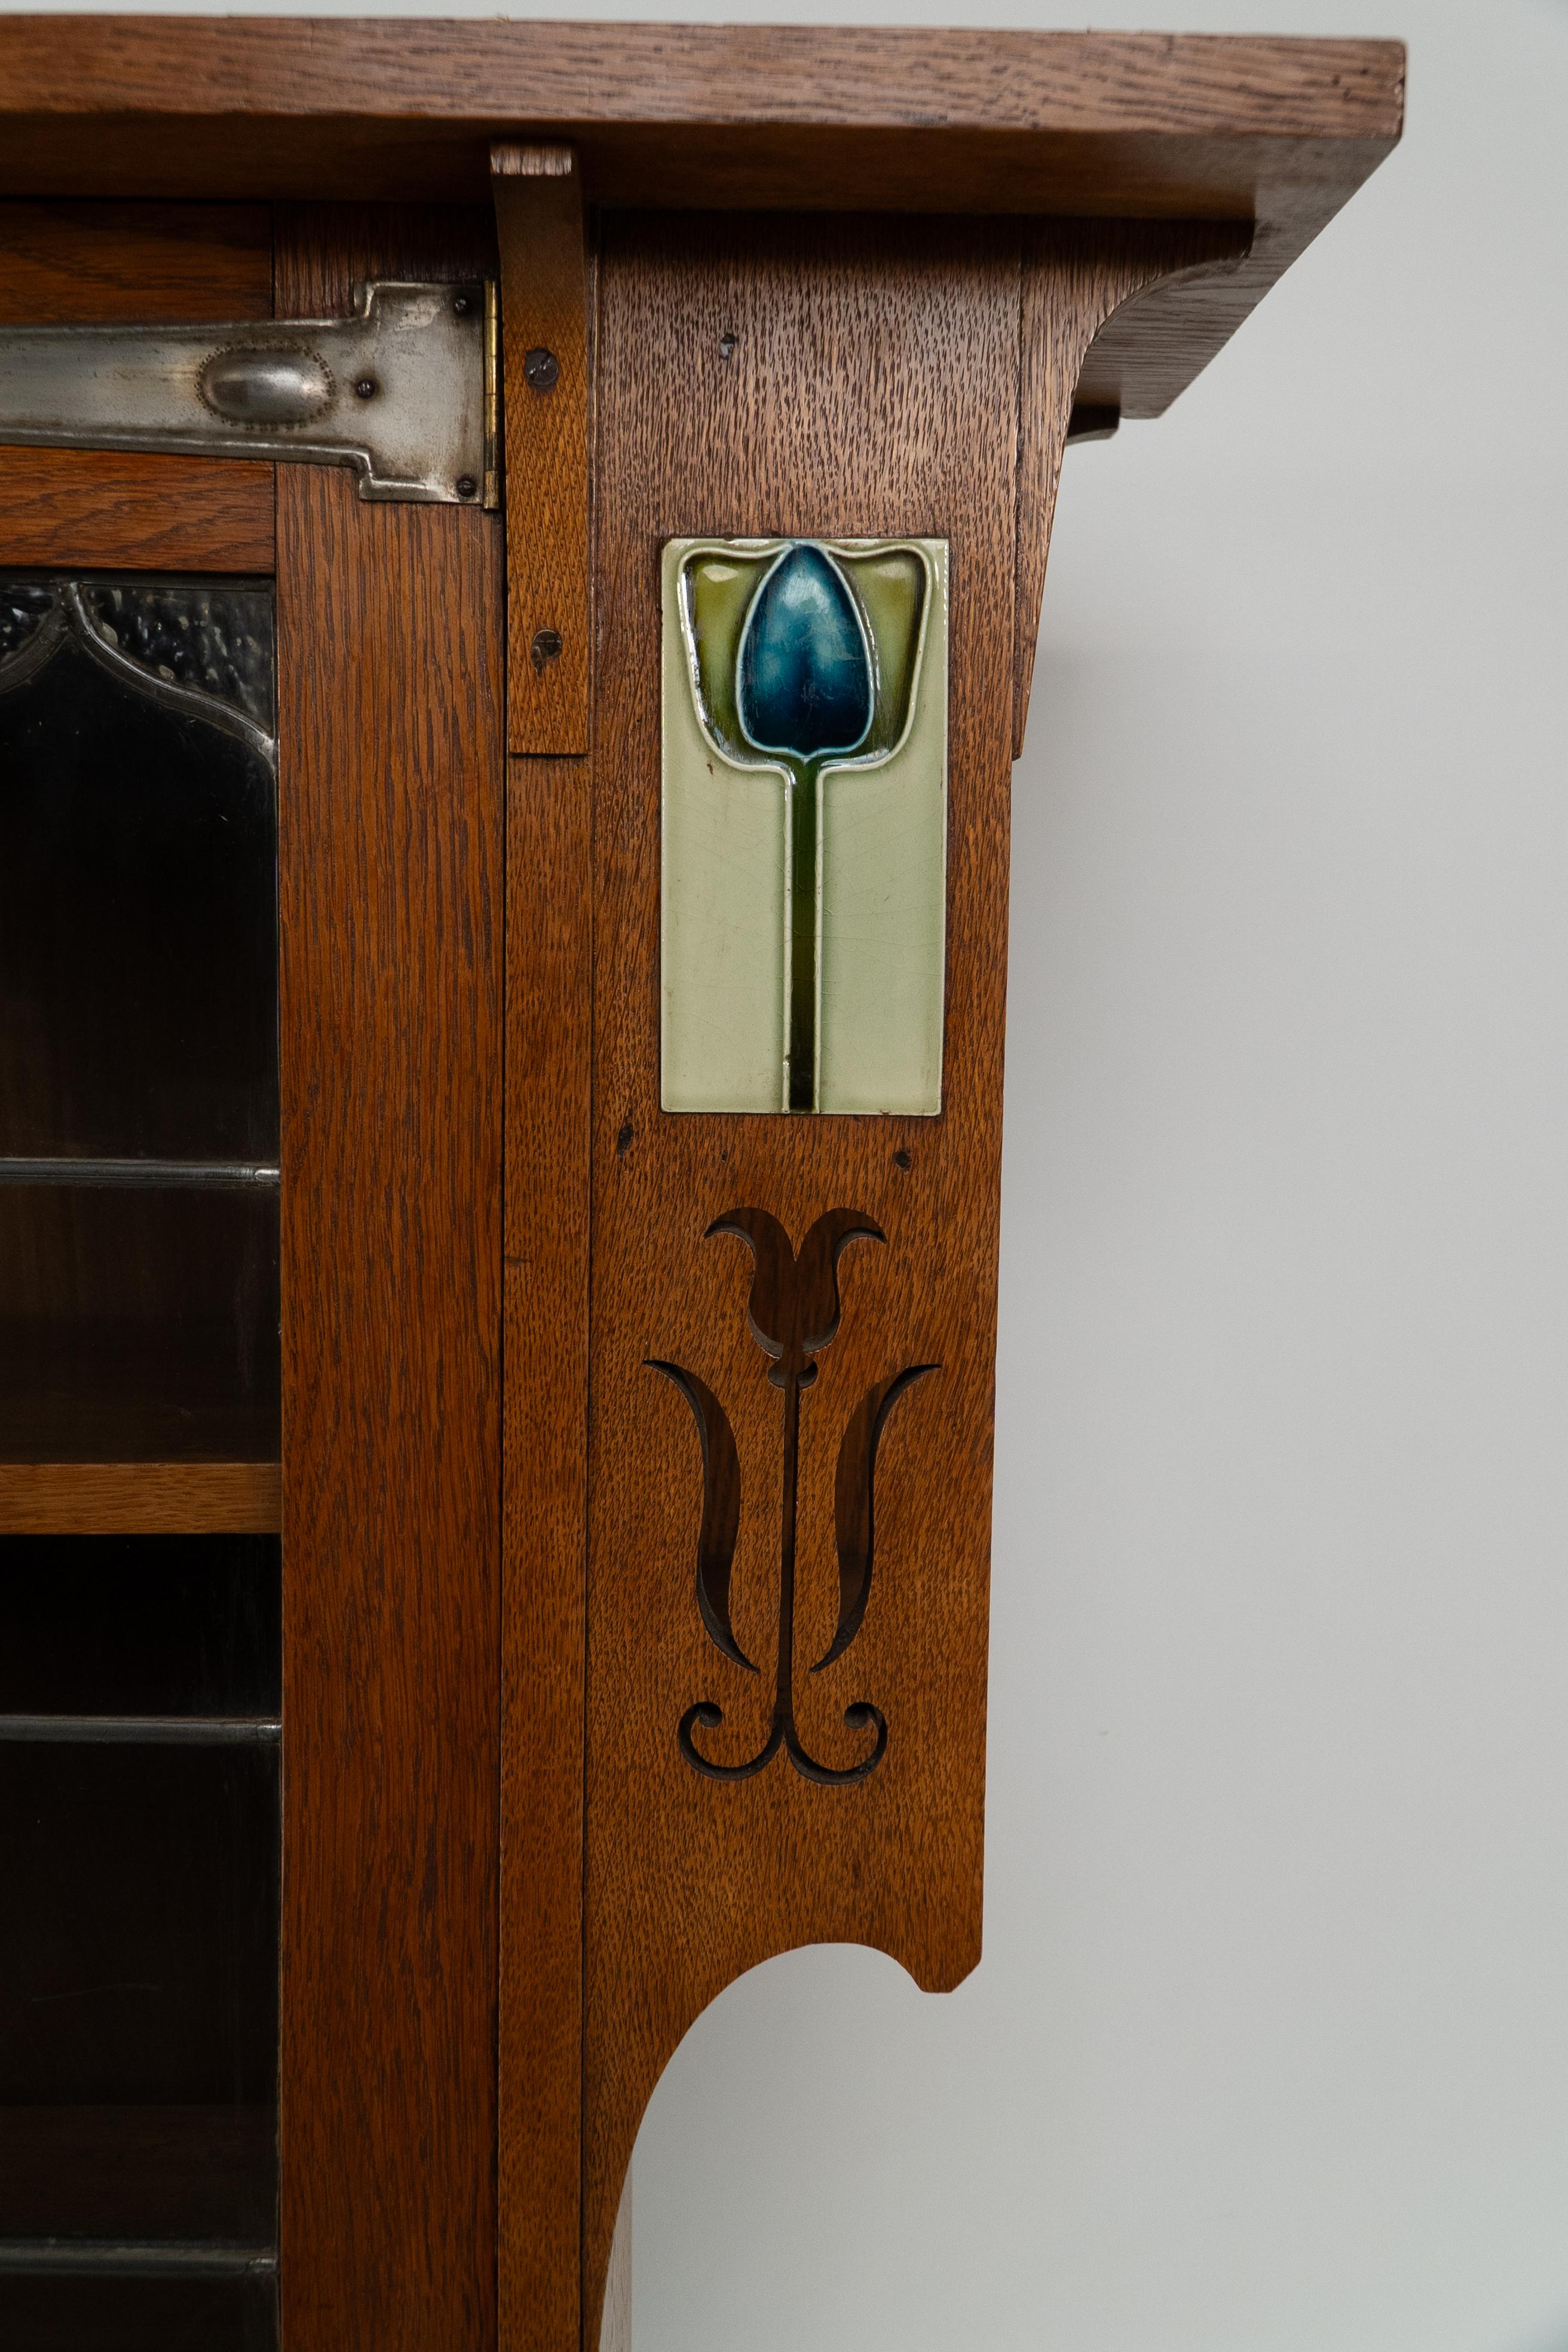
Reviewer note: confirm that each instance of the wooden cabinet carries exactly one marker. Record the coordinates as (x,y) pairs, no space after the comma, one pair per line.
(489,1550)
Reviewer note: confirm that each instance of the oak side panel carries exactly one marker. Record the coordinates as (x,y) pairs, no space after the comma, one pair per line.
(544,310)
(70,263)
(102,1499)
(549,916)
(839,412)
(390,845)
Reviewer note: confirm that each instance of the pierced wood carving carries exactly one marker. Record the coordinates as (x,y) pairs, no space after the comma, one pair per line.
(793,1314)
(732,357)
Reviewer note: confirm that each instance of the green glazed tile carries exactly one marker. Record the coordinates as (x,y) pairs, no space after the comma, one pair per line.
(804,892)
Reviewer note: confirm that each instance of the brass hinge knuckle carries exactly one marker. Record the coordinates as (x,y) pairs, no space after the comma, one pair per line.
(403,391)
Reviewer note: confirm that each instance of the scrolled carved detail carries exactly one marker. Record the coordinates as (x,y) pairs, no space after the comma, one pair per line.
(720,1508)
(854,1511)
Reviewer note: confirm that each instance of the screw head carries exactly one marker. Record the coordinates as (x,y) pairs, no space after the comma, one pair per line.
(462,304)
(466,485)
(367,387)
(540,369)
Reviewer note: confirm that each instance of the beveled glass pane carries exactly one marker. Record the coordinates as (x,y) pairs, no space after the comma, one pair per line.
(153,1625)
(138,1324)
(137,2314)
(140,1677)
(138,1993)
(138,853)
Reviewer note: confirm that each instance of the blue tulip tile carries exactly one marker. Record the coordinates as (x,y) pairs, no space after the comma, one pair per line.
(804,871)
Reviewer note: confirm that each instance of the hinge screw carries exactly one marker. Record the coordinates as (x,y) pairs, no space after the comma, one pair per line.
(366,387)
(541,368)
(466,485)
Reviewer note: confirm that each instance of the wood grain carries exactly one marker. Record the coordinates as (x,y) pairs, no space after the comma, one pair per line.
(69,264)
(544,309)
(66,508)
(389,667)
(103,1498)
(1077,276)
(554,73)
(548,913)
(545,293)
(1102,124)
(834,415)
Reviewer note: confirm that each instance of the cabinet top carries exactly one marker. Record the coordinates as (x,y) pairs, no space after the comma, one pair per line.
(1273,132)
(687,114)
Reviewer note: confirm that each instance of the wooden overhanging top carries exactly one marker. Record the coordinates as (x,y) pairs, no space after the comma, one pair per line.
(1271,133)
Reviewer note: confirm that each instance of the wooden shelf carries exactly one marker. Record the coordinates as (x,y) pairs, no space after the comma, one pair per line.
(140,1498)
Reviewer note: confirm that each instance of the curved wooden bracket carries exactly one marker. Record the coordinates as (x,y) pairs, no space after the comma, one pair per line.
(1079,277)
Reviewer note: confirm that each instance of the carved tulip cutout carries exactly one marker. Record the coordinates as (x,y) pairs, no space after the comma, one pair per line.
(793,1314)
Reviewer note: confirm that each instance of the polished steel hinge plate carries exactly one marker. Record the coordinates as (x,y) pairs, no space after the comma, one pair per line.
(405,390)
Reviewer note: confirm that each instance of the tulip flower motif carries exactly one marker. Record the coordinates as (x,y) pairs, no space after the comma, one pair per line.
(793,1314)
(804,660)
(805,697)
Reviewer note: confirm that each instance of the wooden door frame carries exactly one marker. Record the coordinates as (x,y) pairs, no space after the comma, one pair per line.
(390,898)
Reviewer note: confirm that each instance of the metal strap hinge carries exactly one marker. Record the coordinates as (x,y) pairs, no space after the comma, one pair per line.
(404,390)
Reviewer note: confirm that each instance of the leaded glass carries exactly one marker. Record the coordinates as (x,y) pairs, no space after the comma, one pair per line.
(139,1676)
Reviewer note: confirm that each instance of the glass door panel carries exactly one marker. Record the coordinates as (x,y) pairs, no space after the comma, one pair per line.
(140,1675)
(138,1021)
(138,1319)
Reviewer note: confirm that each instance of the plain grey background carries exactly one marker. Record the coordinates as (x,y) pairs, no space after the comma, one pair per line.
(1269,2049)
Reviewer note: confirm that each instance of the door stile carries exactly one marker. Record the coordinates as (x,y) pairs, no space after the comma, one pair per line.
(547,308)
(390,881)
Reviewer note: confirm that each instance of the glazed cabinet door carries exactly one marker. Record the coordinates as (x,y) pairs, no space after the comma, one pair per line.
(250,1267)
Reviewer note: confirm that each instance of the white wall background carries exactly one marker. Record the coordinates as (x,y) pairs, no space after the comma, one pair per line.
(1268,2051)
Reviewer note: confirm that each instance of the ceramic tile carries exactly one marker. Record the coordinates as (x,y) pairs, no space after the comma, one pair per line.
(805,824)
